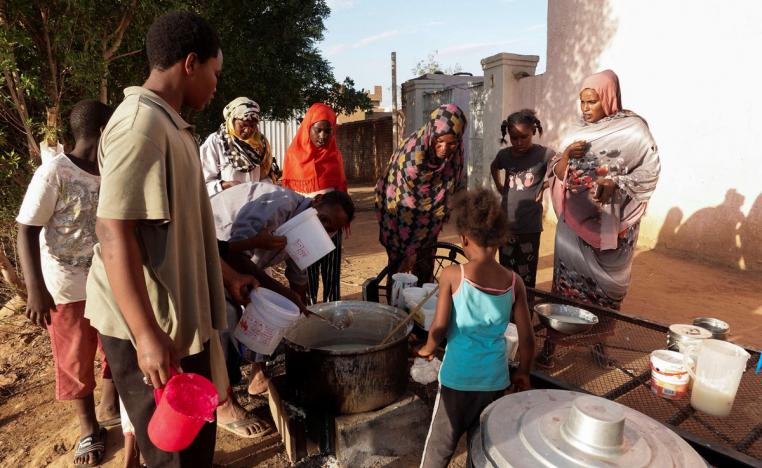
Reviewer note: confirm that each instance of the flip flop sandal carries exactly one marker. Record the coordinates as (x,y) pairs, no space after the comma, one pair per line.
(93,443)
(263,393)
(112,422)
(236,426)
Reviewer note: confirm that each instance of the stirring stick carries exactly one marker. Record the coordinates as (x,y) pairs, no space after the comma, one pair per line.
(327,320)
(759,364)
(410,316)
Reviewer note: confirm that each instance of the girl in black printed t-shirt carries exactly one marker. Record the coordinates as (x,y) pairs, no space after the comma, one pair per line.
(525,165)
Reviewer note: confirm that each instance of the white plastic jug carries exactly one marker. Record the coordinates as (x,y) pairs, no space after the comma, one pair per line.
(265,320)
(401,281)
(719,368)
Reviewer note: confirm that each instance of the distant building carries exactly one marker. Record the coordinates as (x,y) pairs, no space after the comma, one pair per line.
(378,111)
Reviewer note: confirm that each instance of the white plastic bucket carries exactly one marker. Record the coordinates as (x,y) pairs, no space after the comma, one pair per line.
(669,375)
(412,297)
(428,316)
(265,320)
(428,287)
(401,281)
(307,240)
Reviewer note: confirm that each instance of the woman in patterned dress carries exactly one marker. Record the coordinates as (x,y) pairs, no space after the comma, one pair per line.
(412,197)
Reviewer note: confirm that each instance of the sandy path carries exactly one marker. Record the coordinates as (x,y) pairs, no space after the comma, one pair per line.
(37,431)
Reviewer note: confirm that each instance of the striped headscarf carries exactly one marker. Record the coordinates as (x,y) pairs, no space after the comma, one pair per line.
(245,155)
(411,199)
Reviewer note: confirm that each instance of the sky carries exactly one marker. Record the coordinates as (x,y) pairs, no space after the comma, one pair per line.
(361,34)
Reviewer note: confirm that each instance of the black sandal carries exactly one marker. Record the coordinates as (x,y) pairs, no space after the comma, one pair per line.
(93,443)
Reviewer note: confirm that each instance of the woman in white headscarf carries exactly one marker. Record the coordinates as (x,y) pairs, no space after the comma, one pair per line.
(237,152)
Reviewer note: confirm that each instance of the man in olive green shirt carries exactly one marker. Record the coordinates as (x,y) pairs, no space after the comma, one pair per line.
(155,289)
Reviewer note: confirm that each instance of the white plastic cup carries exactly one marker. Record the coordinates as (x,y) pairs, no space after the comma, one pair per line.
(265,320)
(308,241)
(401,281)
(719,369)
(511,342)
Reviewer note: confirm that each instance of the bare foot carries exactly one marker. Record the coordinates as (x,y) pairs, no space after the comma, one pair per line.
(107,411)
(131,452)
(259,381)
(232,417)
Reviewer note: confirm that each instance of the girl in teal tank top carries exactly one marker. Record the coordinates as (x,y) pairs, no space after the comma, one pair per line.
(476,303)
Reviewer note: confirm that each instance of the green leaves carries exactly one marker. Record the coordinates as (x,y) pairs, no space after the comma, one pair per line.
(269,46)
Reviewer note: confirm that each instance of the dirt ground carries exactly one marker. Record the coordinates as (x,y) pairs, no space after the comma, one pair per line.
(37,431)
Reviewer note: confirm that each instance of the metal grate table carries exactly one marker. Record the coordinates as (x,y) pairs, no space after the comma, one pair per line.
(628,342)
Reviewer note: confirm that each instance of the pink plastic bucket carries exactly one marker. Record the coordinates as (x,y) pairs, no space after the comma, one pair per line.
(183,406)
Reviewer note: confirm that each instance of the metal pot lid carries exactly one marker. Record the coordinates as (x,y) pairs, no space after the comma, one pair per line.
(682,331)
(563,428)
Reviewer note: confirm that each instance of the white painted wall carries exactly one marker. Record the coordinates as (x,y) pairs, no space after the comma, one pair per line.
(692,70)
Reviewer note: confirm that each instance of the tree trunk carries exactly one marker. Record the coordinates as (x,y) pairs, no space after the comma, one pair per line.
(16,91)
(103,95)
(112,44)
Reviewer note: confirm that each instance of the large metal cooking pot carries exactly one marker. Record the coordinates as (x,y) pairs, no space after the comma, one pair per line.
(346,370)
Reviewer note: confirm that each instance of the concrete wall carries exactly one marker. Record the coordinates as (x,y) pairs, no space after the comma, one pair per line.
(366,146)
(420,96)
(692,71)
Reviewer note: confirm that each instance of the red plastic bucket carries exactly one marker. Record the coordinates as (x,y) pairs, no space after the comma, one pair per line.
(183,406)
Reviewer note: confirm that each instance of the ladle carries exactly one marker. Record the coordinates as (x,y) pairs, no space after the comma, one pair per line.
(410,316)
(343,322)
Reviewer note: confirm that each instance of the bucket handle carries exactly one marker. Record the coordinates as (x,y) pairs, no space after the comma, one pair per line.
(689,363)
(159,392)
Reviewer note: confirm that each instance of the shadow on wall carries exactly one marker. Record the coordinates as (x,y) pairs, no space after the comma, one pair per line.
(721,233)
(579,31)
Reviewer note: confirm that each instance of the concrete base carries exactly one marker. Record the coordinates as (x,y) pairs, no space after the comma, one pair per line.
(391,436)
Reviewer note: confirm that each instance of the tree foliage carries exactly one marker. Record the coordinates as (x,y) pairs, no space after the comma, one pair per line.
(431,64)
(271,56)
(55,52)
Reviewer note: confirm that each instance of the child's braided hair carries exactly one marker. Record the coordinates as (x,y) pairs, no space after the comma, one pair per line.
(524,116)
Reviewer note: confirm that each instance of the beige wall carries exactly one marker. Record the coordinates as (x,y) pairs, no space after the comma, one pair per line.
(692,70)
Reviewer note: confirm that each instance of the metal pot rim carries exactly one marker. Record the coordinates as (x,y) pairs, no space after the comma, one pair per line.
(316,308)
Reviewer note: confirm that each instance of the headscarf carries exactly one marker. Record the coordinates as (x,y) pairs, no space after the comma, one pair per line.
(245,155)
(621,148)
(606,84)
(307,168)
(412,197)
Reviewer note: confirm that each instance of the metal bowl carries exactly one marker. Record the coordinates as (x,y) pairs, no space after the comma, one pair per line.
(718,328)
(564,318)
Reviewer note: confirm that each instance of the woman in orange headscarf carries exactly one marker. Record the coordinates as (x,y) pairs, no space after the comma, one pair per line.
(312,166)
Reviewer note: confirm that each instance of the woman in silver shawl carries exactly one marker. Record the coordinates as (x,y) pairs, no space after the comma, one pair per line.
(601,185)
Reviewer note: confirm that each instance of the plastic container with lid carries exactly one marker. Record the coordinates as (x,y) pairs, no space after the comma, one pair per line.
(686,339)
(669,374)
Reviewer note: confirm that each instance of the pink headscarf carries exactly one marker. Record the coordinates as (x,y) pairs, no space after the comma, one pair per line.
(606,84)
